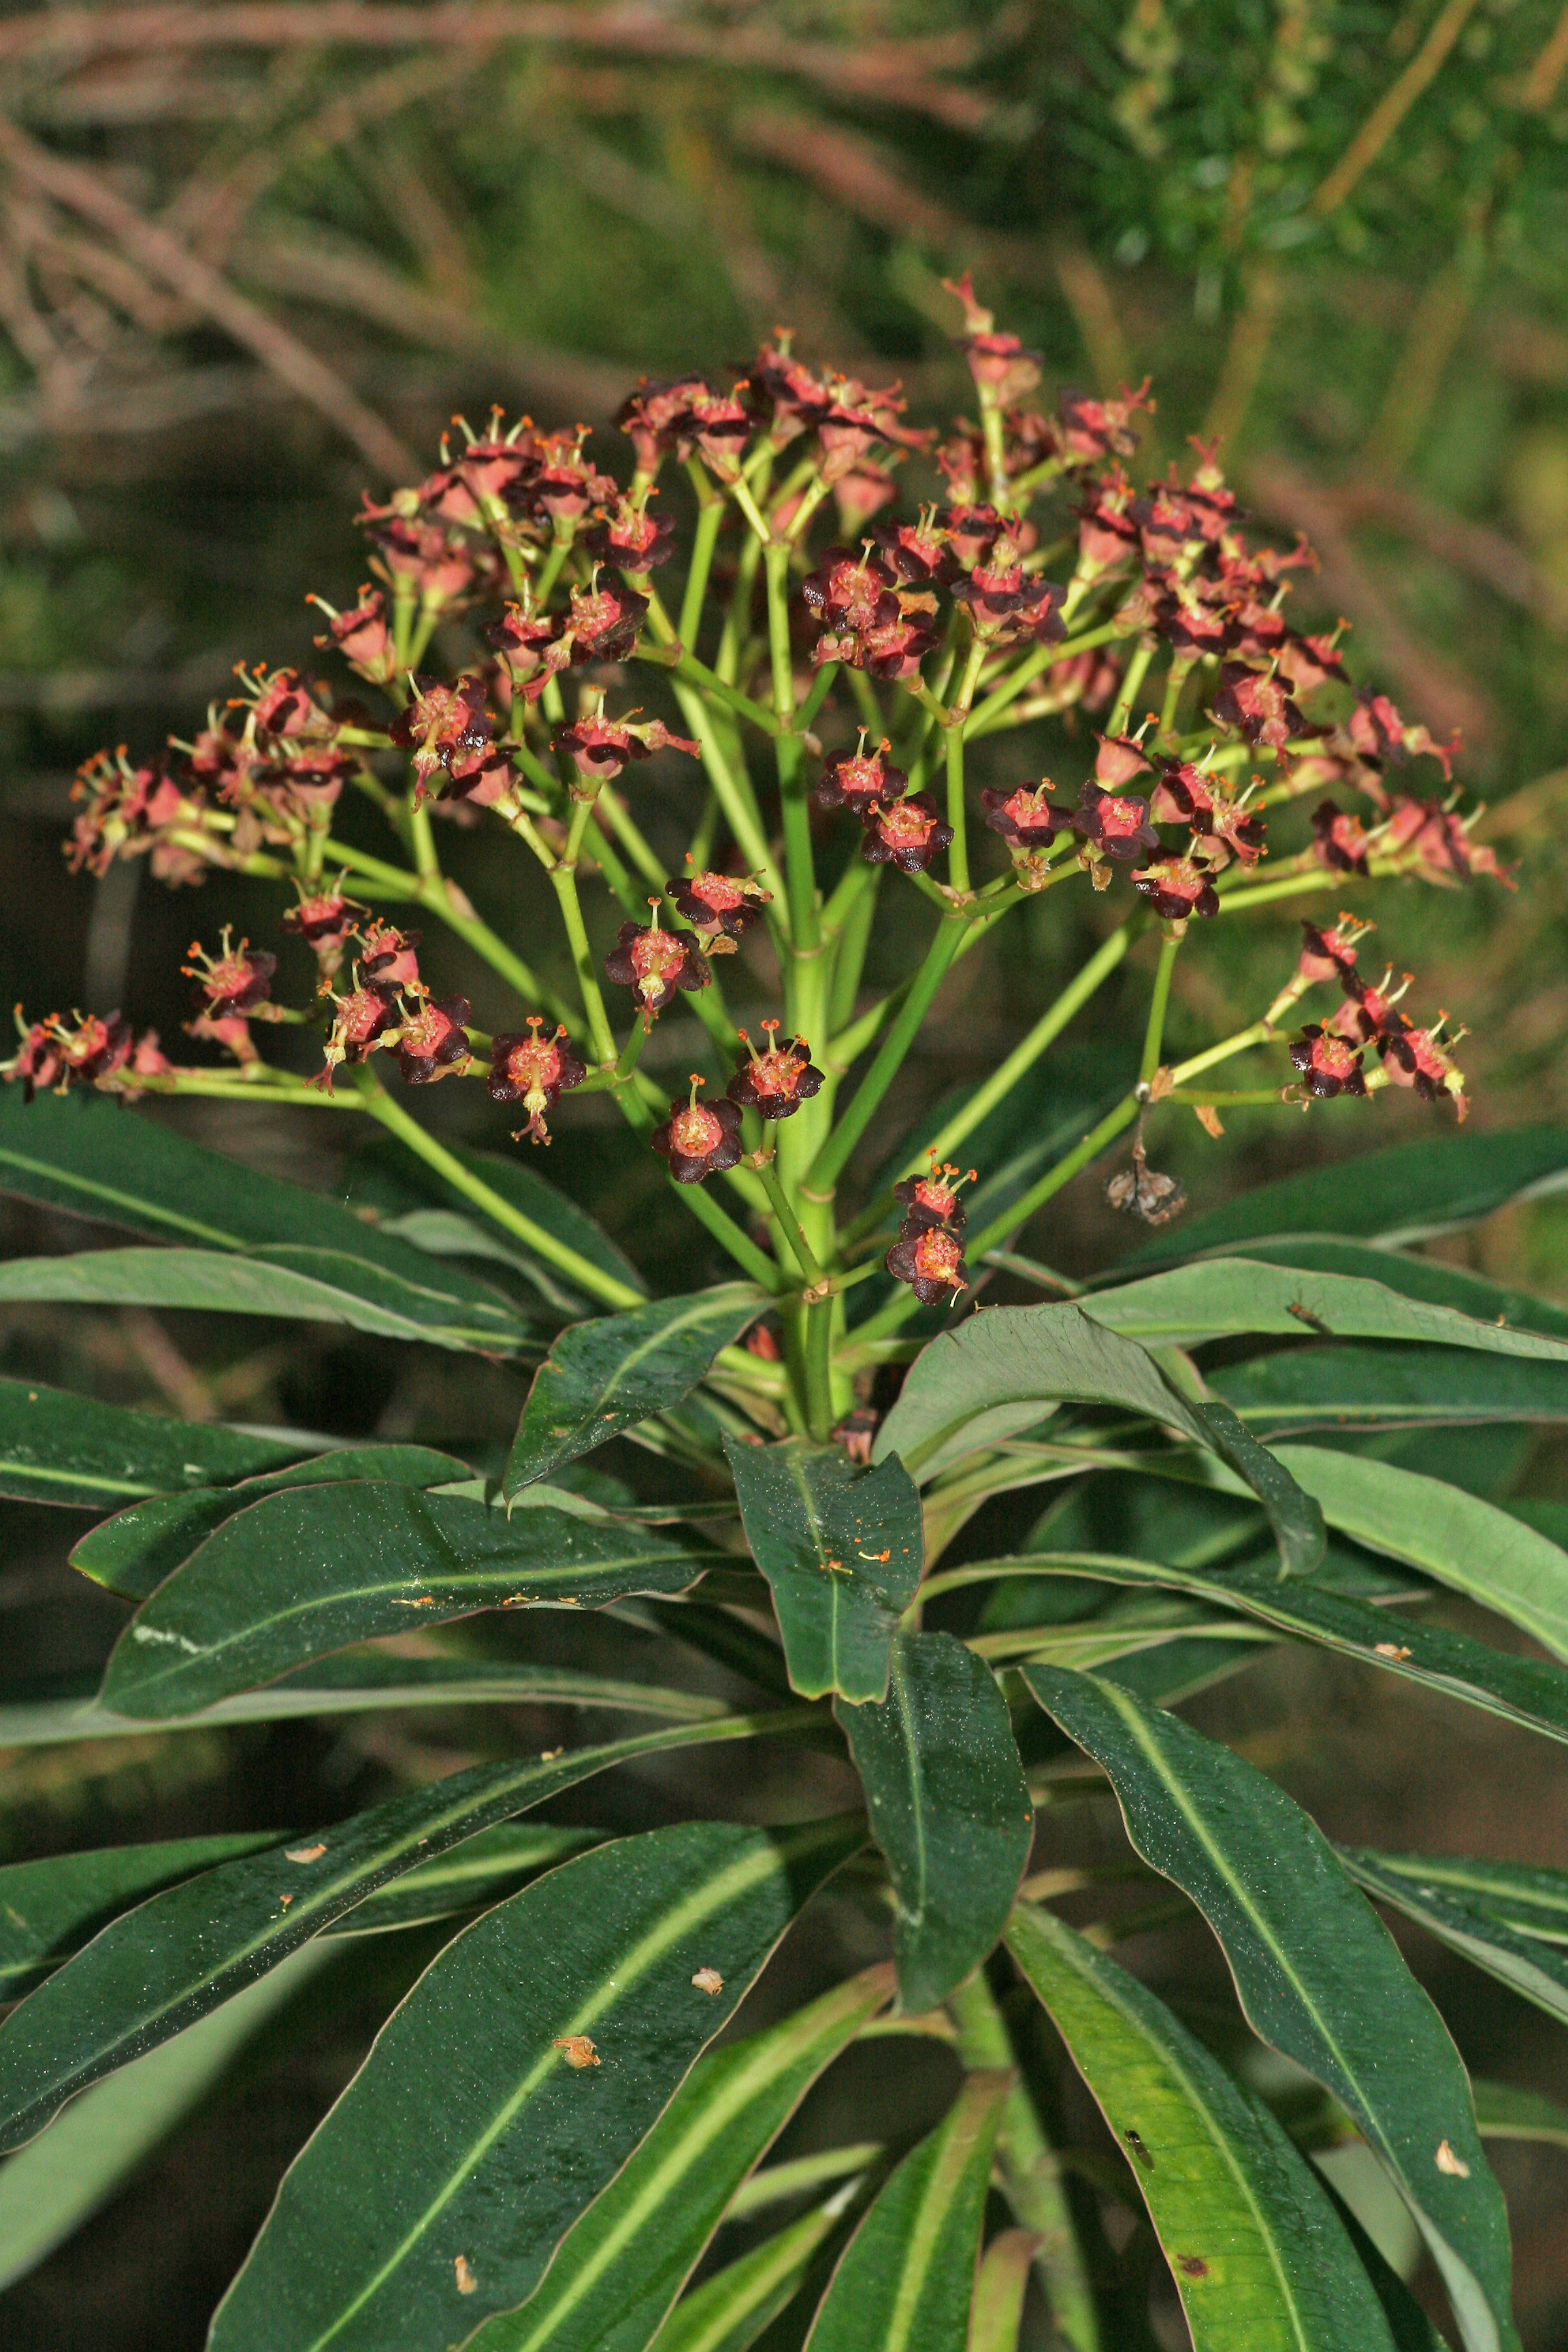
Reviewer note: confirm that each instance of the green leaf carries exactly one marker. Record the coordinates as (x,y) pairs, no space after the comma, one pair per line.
(1007,1366)
(842,1551)
(157,1969)
(49,2190)
(132,1552)
(311,1570)
(779,2182)
(1312,1388)
(999,2292)
(59,1448)
(729,2311)
(1425,1278)
(601,1376)
(49,1910)
(312,1256)
(1510,1920)
(906,2279)
(1318,1974)
(471,1877)
(1394,1196)
(622,2264)
(467,2137)
(1505,2111)
(1254,2247)
(1219,1298)
(1468,1545)
(950,1809)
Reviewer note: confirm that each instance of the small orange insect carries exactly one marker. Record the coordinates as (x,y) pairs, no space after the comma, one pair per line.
(577,2050)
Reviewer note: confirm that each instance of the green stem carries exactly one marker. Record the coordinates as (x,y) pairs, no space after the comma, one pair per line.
(728,1233)
(819,1415)
(826,1168)
(709,516)
(1263,894)
(709,682)
(1153,1036)
(800,877)
(986,712)
(560,549)
(1133,679)
(849,914)
(563,882)
(789,1223)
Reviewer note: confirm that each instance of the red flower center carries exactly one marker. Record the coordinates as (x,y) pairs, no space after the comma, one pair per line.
(657,956)
(905,825)
(1332,1056)
(1120,818)
(937,1257)
(694,1133)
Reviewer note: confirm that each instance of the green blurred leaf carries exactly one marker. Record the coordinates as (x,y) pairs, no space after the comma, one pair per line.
(1505,2111)
(59,1448)
(157,1969)
(1312,1388)
(1464,1543)
(999,2292)
(363,2243)
(49,1910)
(842,1551)
(1395,1196)
(1510,1919)
(1220,1297)
(950,1809)
(132,1552)
(1318,1974)
(906,2279)
(620,2267)
(607,1375)
(1257,2254)
(311,1570)
(729,2311)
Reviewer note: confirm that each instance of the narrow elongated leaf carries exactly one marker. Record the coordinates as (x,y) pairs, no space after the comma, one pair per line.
(1417,1277)
(408,2218)
(59,1448)
(1256,2254)
(1488,1911)
(1464,1543)
(1388,1388)
(132,1552)
(906,2279)
(99,1161)
(49,2190)
(49,1910)
(1019,1357)
(950,1809)
(470,1878)
(1221,1297)
(399,1181)
(779,2182)
(621,2266)
(842,1550)
(1505,2111)
(728,2312)
(154,1970)
(607,1375)
(314,1568)
(1399,1195)
(999,2292)
(1317,1972)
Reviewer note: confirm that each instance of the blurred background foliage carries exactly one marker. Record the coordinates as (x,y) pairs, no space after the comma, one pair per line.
(251,261)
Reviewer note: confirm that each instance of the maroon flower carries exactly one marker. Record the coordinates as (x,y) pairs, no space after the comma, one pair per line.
(529,647)
(1419,1058)
(972,533)
(90,1053)
(1331,955)
(235,981)
(1309,662)
(1121,758)
(561,484)
(432,1042)
(775,1084)
(1025,815)
(782,393)
(849,592)
(494,462)
(389,964)
(284,704)
(1092,429)
(859,780)
(599,748)
(631,538)
(603,623)
(914,552)
(1195,618)
(999,363)
(535,1071)
(653,417)
(698,1141)
(1328,1066)
(906,833)
(1107,534)
(862,493)
(891,652)
(1259,704)
(1177,887)
(930,1260)
(720,909)
(931,1201)
(1116,824)
(1340,840)
(657,963)
(1367,1011)
(442,722)
(359,1025)
(362,636)
(1379,733)
(126,808)
(1008,604)
(421,561)
(482,778)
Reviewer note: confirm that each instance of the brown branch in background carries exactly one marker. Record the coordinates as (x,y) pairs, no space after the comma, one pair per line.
(1541,82)
(1391,109)
(1242,368)
(111,275)
(81,191)
(1088,297)
(1489,558)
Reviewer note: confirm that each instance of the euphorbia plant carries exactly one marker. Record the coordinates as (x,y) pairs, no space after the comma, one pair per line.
(561,2187)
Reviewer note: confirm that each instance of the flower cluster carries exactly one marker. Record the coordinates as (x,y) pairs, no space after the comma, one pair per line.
(929,1251)
(1328,1055)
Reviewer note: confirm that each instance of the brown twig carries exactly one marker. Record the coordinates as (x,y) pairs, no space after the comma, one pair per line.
(1242,367)
(1391,109)
(1541,82)
(1485,555)
(1088,297)
(81,191)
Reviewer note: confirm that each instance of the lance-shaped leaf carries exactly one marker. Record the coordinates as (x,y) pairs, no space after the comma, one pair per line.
(1505,2111)
(1417,1277)
(999,2292)
(1009,1365)
(621,2266)
(49,1910)
(313,1569)
(155,1969)
(1388,1388)
(606,1376)
(132,1552)
(1318,1974)
(471,1877)
(556,2027)
(842,1551)
(1510,1919)
(1221,1297)
(96,1159)
(1399,1195)
(59,1448)
(1464,1543)
(1256,2251)
(906,2279)
(730,2311)
(49,2190)
(950,1809)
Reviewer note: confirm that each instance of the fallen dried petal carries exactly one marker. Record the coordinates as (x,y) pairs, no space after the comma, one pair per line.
(466,2281)
(1449,2162)
(579,2052)
(304,1852)
(708,1981)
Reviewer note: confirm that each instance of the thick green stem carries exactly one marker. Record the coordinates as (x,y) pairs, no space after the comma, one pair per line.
(800,877)
(1153,1036)
(789,1223)
(826,1168)
(1031,2172)
(819,1413)
(709,516)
